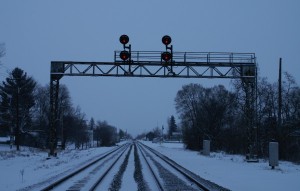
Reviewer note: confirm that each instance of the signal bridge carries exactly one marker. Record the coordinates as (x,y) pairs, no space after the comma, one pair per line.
(161,64)
(150,64)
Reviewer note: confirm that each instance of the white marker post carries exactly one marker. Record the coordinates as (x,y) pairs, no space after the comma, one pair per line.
(273,154)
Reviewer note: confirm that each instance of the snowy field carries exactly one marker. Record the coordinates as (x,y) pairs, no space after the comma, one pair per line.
(232,172)
(35,167)
(30,166)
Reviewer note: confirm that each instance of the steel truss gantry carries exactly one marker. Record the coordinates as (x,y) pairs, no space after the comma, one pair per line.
(150,64)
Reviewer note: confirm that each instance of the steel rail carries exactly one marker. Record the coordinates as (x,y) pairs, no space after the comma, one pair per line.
(100,179)
(65,178)
(158,183)
(186,173)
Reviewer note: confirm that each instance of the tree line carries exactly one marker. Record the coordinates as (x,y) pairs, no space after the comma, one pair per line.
(220,115)
(215,113)
(170,133)
(25,112)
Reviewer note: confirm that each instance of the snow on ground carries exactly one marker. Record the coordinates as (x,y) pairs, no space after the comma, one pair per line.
(128,182)
(29,166)
(232,171)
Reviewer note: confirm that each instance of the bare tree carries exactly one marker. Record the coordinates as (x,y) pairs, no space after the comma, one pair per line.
(105,134)
(2,49)
(204,113)
(42,109)
(188,102)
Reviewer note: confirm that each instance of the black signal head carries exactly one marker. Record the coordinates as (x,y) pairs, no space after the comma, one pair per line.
(166,40)
(124,39)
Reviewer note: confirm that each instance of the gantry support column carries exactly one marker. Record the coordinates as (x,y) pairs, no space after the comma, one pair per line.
(250,111)
(54,90)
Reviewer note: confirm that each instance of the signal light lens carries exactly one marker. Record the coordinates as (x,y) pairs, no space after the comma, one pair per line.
(124,39)
(166,56)
(124,55)
(166,40)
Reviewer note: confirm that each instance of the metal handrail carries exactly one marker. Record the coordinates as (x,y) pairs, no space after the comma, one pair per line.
(208,57)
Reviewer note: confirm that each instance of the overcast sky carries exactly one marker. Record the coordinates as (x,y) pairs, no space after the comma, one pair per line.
(37,32)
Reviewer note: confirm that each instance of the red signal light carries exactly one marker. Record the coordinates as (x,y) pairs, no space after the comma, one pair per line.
(166,40)
(166,56)
(124,55)
(124,39)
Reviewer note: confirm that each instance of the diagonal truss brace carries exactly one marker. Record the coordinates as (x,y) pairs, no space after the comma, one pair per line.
(149,64)
(154,69)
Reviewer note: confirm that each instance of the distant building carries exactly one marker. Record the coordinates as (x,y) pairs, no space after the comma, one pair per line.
(295,136)
(176,136)
(294,146)
(4,140)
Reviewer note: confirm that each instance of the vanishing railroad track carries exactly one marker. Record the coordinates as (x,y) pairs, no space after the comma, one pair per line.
(169,175)
(90,176)
(151,171)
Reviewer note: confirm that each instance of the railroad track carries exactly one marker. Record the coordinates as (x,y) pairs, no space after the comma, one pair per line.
(151,171)
(87,177)
(169,175)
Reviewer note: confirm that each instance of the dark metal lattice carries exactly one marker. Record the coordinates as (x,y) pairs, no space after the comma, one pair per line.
(150,64)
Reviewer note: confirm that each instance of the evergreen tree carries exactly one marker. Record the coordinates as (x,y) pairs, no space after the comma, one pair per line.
(122,134)
(92,124)
(172,125)
(16,103)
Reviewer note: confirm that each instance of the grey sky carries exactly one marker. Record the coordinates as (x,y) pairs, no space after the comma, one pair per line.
(36,32)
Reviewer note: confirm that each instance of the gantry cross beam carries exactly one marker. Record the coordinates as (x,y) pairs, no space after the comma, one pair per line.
(150,64)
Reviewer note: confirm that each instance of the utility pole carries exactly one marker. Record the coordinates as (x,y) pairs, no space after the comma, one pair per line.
(279,98)
(18,125)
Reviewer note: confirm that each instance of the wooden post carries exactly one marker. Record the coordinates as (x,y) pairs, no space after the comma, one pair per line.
(279,98)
